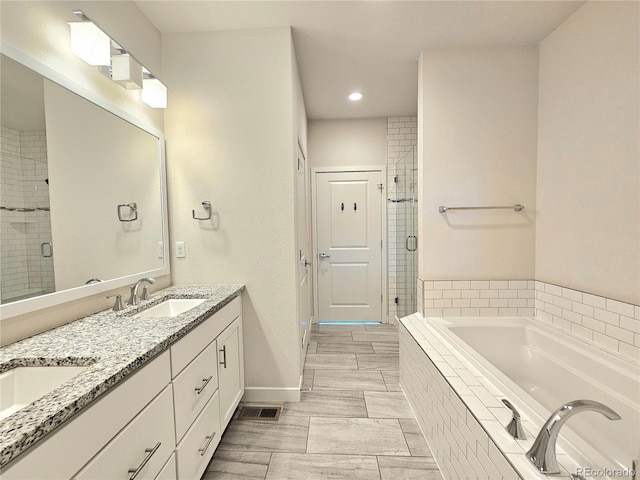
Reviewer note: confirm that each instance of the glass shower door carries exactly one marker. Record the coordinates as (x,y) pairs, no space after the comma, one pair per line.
(403,215)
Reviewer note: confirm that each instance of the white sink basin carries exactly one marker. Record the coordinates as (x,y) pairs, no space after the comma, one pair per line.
(170,308)
(22,385)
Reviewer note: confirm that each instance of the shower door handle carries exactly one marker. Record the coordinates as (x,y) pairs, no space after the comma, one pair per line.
(411,243)
(323,256)
(46,249)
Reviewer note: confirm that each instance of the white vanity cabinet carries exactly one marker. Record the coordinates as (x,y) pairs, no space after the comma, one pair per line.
(164,422)
(230,370)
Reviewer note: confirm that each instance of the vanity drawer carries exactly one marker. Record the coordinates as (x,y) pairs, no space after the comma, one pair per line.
(63,453)
(143,446)
(183,351)
(198,445)
(193,388)
(168,472)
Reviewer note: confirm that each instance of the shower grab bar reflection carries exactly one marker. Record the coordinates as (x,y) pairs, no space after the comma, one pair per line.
(516,208)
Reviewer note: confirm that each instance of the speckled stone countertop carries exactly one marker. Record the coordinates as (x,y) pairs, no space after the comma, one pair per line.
(113,345)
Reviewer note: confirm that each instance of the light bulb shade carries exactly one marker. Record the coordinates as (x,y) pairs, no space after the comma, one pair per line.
(90,43)
(126,71)
(154,93)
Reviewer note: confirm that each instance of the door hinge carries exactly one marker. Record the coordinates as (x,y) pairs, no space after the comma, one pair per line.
(380,187)
(381,299)
(380,243)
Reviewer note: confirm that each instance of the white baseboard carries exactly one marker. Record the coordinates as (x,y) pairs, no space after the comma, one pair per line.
(272,395)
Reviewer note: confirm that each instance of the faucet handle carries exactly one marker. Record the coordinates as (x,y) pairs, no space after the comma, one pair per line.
(515,425)
(118,305)
(145,293)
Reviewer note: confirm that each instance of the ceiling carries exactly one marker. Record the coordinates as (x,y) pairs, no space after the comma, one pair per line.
(368,46)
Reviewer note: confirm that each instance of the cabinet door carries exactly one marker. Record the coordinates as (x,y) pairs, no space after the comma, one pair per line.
(230,370)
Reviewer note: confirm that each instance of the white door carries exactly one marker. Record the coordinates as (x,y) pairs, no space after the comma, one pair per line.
(349,246)
(304,260)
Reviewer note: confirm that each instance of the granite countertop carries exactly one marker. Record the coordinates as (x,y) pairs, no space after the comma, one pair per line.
(112,345)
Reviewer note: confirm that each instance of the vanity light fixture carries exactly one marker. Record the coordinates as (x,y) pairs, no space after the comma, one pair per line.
(126,71)
(356,96)
(90,43)
(154,92)
(94,46)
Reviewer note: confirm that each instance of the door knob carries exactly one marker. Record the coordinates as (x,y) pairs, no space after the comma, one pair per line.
(323,255)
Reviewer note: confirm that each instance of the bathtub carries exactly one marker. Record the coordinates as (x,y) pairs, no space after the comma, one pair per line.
(538,368)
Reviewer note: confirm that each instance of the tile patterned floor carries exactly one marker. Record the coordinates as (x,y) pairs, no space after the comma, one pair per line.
(353,422)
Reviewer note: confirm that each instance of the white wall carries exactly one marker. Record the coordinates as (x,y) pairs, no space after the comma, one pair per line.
(40,30)
(229,140)
(588,226)
(347,143)
(477,146)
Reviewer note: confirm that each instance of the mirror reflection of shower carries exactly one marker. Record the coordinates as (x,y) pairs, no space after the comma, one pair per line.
(26,243)
(402,215)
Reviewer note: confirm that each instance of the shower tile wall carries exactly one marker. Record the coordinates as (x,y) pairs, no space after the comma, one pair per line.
(401,138)
(23,163)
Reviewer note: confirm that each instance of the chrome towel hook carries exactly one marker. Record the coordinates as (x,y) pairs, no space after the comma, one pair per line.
(134,208)
(207,206)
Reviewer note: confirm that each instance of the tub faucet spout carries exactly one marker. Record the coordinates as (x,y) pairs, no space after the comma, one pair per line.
(543,452)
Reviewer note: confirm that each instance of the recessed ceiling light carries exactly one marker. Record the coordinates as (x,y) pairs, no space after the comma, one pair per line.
(355,96)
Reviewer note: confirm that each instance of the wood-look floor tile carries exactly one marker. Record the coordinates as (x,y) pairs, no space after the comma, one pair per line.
(348,380)
(378,362)
(408,468)
(287,466)
(356,436)
(342,328)
(311,348)
(288,434)
(227,465)
(329,403)
(417,445)
(307,379)
(329,346)
(385,327)
(410,425)
(387,405)
(331,361)
(375,336)
(392,380)
(386,347)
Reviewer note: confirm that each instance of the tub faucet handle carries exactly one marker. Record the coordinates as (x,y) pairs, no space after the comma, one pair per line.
(515,425)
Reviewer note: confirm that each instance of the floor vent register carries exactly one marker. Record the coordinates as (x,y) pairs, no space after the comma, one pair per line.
(265,414)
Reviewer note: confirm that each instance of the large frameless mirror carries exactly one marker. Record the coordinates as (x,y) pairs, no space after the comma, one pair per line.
(82,197)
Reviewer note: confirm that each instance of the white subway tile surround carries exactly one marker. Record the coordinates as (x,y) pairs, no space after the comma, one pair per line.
(401,138)
(610,324)
(460,414)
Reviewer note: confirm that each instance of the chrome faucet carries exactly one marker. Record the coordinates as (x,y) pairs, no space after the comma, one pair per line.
(134,290)
(543,452)
(515,425)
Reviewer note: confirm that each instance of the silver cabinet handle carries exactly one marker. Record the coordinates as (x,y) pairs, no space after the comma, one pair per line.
(204,384)
(224,356)
(149,451)
(323,255)
(206,445)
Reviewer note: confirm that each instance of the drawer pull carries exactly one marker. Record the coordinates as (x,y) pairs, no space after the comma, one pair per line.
(208,439)
(204,384)
(149,451)
(224,356)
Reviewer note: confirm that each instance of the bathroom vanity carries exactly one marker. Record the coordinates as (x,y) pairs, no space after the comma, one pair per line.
(152,402)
